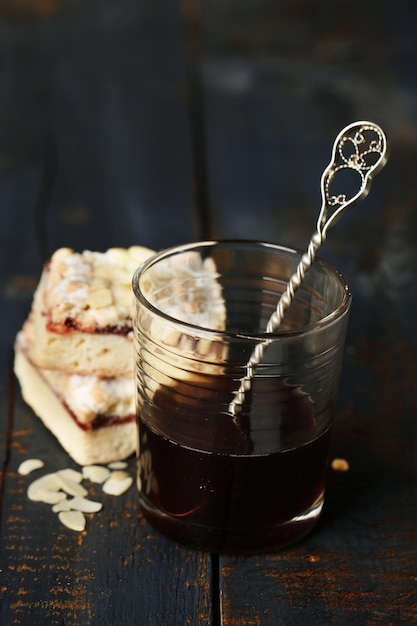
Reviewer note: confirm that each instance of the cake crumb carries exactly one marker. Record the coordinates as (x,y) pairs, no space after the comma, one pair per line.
(313,558)
(340,465)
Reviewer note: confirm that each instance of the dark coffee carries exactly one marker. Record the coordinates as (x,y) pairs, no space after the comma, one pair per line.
(223,486)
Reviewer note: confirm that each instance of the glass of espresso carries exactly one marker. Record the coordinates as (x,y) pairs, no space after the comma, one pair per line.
(216,474)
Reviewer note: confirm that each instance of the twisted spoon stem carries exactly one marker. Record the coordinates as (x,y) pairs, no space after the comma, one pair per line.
(276,319)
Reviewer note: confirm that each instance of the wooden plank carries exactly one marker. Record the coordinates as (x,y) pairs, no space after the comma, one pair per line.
(280,81)
(193,39)
(358,566)
(95,154)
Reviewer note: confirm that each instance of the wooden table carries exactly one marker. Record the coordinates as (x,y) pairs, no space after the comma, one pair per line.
(156,123)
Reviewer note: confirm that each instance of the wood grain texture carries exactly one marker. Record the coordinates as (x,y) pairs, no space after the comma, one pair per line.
(103,142)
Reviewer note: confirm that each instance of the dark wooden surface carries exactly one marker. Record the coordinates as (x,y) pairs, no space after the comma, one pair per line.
(156,123)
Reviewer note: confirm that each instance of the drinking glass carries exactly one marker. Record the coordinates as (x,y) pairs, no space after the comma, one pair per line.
(250,479)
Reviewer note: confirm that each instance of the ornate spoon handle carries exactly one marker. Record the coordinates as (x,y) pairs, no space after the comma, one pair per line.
(361,148)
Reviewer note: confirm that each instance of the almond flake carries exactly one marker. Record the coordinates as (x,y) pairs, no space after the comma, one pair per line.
(116,486)
(29,465)
(117,465)
(84,505)
(48,482)
(70,486)
(61,506)
(119,475)
(52,497)
(99,298)
(96,473)
(74,520)
(340,465)
(71,474)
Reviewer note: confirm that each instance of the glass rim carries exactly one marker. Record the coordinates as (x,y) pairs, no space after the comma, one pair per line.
(341,310)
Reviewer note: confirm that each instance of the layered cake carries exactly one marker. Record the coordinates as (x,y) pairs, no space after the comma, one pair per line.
(74,354)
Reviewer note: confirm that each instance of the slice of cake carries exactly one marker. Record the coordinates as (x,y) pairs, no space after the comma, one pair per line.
(74,355)
(90,433)
(81,318)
